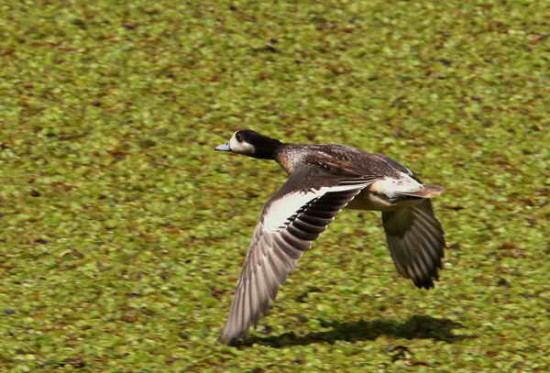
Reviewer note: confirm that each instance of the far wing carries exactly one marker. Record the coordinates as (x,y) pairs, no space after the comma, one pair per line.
(416,242)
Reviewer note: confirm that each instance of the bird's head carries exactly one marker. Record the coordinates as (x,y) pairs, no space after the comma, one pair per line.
(252,144)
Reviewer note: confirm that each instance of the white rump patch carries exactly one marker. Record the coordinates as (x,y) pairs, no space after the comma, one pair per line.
(391,186)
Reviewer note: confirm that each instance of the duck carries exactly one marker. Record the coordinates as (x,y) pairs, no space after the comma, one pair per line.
(322,180)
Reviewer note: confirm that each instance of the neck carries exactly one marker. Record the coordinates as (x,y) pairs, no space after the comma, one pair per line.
(288,156)
(268,149)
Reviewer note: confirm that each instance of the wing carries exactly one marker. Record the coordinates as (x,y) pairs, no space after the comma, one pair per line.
(291,219)
(416,242)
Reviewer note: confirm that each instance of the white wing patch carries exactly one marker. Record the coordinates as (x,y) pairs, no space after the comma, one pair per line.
(282,209)
(391,186)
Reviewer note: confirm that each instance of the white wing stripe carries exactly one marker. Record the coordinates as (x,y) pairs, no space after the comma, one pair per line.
(282,209)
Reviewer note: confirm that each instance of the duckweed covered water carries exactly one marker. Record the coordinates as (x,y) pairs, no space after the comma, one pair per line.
(122,231)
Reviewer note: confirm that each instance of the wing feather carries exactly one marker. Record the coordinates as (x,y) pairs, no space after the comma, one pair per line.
(416,242)
(277,245)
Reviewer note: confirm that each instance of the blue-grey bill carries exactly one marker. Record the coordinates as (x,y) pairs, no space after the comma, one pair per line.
(223,148)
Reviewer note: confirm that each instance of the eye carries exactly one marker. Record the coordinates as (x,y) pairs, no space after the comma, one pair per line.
(239,137)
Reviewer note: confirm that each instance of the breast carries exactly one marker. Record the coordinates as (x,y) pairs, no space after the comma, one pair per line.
(289,157)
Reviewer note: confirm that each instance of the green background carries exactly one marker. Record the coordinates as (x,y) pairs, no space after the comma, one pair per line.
(122,231)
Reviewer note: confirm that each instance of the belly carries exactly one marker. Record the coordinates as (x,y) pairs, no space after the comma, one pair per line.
(370,200)
(367,200)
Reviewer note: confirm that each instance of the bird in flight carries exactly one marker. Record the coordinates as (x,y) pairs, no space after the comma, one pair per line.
(323,179)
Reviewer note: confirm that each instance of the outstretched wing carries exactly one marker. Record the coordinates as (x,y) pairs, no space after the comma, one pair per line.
(416,242)
(291,219)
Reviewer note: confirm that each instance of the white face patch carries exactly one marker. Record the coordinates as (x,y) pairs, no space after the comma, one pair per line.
(391,186)
(241,147)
